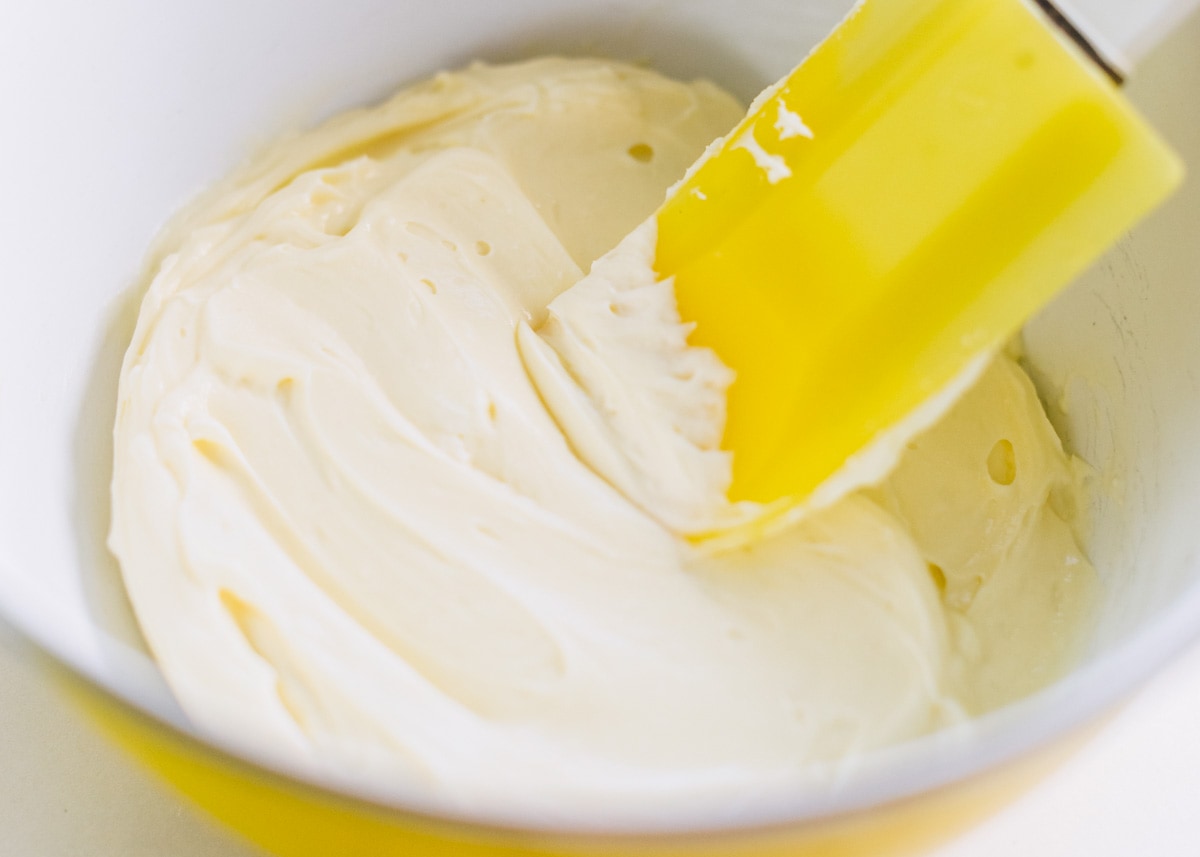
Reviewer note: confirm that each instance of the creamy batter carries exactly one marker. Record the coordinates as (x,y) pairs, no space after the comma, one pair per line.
(395,503)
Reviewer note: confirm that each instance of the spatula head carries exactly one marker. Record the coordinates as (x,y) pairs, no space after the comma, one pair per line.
(898,206)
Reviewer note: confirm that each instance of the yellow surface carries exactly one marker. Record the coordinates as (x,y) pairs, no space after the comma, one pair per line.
(292,820)
(965,164)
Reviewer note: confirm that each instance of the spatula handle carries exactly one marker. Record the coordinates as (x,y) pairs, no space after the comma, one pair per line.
(1123,32)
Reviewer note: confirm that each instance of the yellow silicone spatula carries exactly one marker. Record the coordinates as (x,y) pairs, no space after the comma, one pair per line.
(899,205)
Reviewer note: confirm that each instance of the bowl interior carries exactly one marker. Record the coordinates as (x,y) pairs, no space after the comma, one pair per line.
(119,116)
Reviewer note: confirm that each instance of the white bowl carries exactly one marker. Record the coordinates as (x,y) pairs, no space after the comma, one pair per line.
(116,114)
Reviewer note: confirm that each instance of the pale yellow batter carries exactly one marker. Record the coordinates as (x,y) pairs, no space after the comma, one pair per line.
(358,541)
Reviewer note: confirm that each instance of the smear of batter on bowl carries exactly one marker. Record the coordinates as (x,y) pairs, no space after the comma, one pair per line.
(358,541)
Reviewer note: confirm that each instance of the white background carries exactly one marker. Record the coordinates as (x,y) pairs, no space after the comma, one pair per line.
(64,792)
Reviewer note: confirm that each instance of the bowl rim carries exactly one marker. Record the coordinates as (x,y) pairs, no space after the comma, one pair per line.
(905,771)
